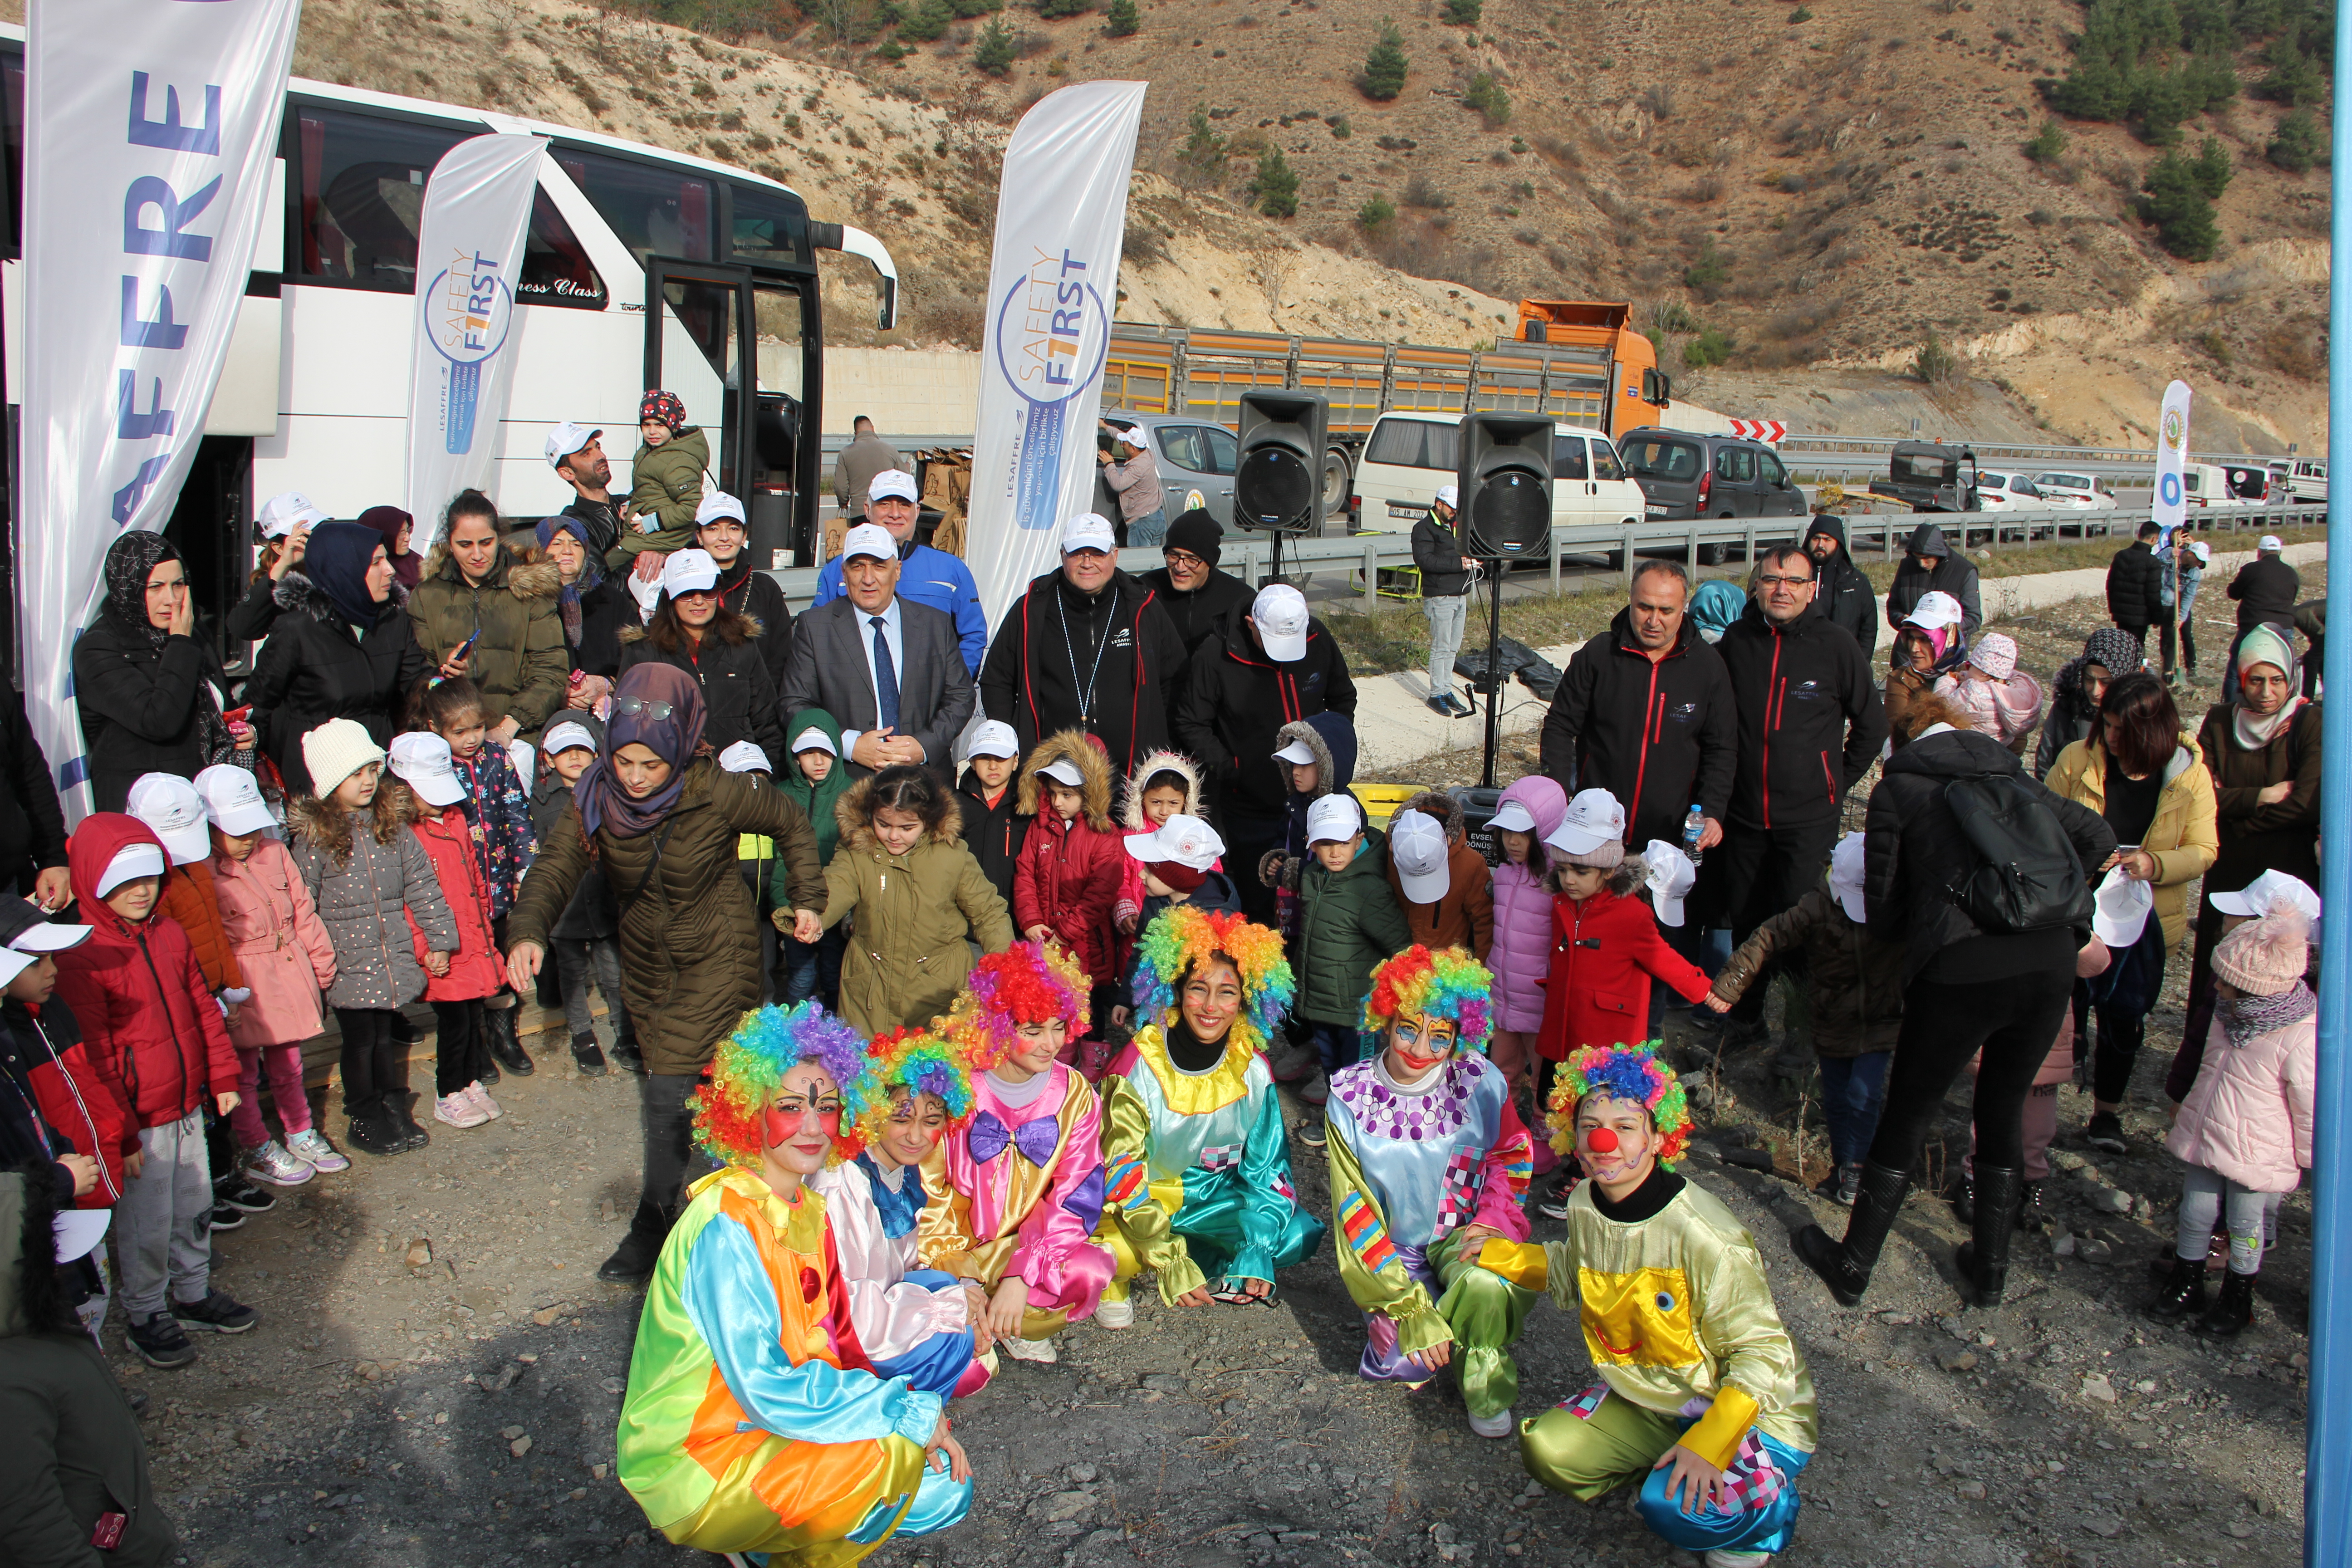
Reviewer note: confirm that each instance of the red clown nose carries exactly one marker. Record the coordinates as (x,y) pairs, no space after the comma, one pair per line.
(1602,1142)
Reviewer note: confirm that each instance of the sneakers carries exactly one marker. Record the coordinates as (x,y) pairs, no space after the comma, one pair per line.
(626,1057)
(1498,1425)
(1311,1132)
(1039,1351)
(1113,1314)
(271,1163)
(238,1193)
(218,1312)
(458,1110)
(377,1134)
(2106,1132)
(1290,1062)
(1842,1184)
(161,1341)
(310,1146)
(482,1100)
(1441,706)
(225,1217)
(587,1056)
(1554,1203)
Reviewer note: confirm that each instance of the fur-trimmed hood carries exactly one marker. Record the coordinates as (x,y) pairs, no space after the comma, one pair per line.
(733,630)
(33,1296)
(1324,734)
(1437,804)
(1161,761)
(850,813)
(315,822)
(1093,763)
(297,595)
(526,575)
(1623,878)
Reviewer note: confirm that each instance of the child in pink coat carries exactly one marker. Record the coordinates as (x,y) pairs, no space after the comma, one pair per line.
(2000,699)
(282,950)
(1521,956)
(2245,1128)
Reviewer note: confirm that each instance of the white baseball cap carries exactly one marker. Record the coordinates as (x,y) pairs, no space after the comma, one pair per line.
(2267,895)
(421,761)
(1417,850)
(1063,771)
(43,935)
(78,1231)
(743,757)
(689,571)
(1187,840)
(895,482)
(2271,542)
(812,740)
(993,738)
(715,505)
(170,805)
(1089,530)
(1280,613)
(1133,436)
(1298,752)
(869,539)
(13,963)
(1333,819)
(232,798)
(2121,910)
(1593,818)
(1450,495)
(564,736)
(1512,817)
(565,439)
(281,513)
(2202,550)
(1935,610)
(1670,878)
(1846,876)
(130,863)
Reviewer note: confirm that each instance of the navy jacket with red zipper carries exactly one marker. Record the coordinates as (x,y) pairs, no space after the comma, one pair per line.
(151,1027)
(1234,700)
(1044,651)
(48,1094)
(1811,721)
(1659,736)
(995,834)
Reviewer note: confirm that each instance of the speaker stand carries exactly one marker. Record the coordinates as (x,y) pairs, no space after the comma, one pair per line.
(1494,686)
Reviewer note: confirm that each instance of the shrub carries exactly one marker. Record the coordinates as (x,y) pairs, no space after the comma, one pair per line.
(925,22)
(1709,272)
(1122,20)
(1420,193)
(1711,347)
(1486,96)
(1464,13)
(1673,316)
(1376,214)
(1386,67)
(1054,10)
(1935,363)
(993,52)
(2295,80)
(1340,126)
(2175,203)
(1275,187)
(2212,168)
(2049,146)
(1202,156)
(1802,14)
(893,50)
(2297,144)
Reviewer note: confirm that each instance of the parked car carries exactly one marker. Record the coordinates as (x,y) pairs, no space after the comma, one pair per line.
(1686,474)
(2309,479)
(1196,460)
(1408,456)
(2073,490)
(2006,492)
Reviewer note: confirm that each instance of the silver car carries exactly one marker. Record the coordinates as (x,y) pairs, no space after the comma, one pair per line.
(1196,461)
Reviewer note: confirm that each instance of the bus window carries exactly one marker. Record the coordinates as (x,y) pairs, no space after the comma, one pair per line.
(768,226)
(362,197)
(555,268)
(12,95)
(653,210)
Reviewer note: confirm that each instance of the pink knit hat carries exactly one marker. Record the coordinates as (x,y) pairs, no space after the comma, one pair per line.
(1995,654)
(2265,957)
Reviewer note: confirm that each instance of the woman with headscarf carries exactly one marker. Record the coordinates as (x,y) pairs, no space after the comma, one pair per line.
(593,608)
(660,817)
(1929,645)
(399,531)
(340,649)
(2108,653)
(151,690)
(2264,753)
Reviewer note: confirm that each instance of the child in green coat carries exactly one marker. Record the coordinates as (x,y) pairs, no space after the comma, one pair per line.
(1349,923)
(816,779)
(665,481)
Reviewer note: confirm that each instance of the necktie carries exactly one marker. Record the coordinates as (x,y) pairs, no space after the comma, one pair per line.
(886,677)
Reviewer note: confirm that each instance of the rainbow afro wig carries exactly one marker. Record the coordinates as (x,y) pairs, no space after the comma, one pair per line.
(921,1063)
(1185,938)
(1621,1072)
(1027,984)
(1446,983)
(767,1043)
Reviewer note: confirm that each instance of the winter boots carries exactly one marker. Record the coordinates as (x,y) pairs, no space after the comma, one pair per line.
(1984,1260)
(633,1261)
(1846,1266)
(504,1048)
(2233,1310)
(2183,1292)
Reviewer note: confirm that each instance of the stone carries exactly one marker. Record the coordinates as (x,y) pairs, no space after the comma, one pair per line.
(616,1386)
(598,1470)
(2062,1243)
(520,1446)
(2111,1200)
(510,1432)
(441,1418)
(1082,1474)
(1059,1508)
(1163,1383)
(546,1315)
(2097,1252)
(2096,1388)
(2145,1386)
(2104,1528)
(2066,1159)
(1971,1491)
(420,1252)
(2240,1529)
(1960,1361)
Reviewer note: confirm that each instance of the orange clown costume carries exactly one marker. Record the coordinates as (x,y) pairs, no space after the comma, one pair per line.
(750,1425)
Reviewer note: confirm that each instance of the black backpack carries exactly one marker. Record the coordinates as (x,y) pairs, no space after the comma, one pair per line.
(2027,877)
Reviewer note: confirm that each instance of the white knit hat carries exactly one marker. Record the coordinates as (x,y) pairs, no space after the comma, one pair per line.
(335,751)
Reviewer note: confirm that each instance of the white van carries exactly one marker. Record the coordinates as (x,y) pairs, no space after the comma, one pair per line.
(2309,479)
(1410,454)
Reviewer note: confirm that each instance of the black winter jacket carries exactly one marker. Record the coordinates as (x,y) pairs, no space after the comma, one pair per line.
(995,834)
(1657,736)
(138,705)
(1948,573)
(32,824)
(738,699)
(1128,647)
(601,518)
(2135,587)
(1811,720)
(313,670)
(1845,596)
(1235,699)
(1914,848)
(1437,550)
(1196,615)
(2265,588)
(762,597)
(250,618)
(607,611)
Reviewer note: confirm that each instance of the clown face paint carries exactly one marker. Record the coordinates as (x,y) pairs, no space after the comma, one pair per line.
(1035,1047)
(1418,1042)
(801,1121)
(913,1130)
(1615,1142)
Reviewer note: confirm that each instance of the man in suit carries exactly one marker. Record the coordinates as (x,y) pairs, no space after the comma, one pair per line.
(889,668)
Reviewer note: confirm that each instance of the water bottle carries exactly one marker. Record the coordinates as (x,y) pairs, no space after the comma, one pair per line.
(1694,826)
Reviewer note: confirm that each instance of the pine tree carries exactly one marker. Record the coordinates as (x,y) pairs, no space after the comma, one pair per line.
(2298,143)
(2049,146)
(2176,203)
(2212,169)
(1276,187)
(993,52)
(1385,66)
(1123,20)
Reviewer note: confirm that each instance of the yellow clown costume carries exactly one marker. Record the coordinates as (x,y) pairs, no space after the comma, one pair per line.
(750,1425)
(1679,1321)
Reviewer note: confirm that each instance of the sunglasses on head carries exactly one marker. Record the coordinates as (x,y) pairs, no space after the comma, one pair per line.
(652,707)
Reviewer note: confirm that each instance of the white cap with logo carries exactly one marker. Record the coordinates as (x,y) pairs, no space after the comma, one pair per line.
(1133,436)
(717,504)
(1089,530)
(743,757)
(1935,610)
(869,539)
(1449,495)
(689,571)
(814,740)
(565,439)
(1592,819)
(170,805)
(2271,544)
(892,483)
(1063,772)
(1670,878)
(1417,848)
(1846,876)
(1299,753)
(2268,894)
(132,862)
(1512,817)
(993,738)
(232,798)
(281,513)
(1334,819)
(1280,613)
(1187,840)
(564,736)
(421,761)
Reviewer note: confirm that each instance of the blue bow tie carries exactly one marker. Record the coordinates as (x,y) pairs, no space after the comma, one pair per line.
(1035,1137)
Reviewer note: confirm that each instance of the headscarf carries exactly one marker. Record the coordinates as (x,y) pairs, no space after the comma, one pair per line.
(604,805)
(408,565)
(1715,606)
(337,564)
(2265,643)
(128,560)
(2111,648)
(591,569)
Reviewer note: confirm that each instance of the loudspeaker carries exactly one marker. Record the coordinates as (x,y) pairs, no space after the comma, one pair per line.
(1506,484)
(1279,478)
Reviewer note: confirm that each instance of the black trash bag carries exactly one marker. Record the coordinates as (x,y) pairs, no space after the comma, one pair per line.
(1510,656)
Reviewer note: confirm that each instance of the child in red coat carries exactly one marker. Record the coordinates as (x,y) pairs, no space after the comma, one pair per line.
(156,1039)
(429,795)
(1068,874)
(1605,947)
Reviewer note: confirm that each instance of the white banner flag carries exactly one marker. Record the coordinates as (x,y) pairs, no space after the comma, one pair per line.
(468,253)
(2172,505)
(1061,213)
(150,126)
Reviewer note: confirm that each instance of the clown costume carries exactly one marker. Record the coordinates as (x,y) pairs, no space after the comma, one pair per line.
(913,1322)
(1196,1159)
(749,1428)
(1701,1387)
(1017,1193)
(1429,1159)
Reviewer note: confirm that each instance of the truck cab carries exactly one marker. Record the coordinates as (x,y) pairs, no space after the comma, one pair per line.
(1927,475)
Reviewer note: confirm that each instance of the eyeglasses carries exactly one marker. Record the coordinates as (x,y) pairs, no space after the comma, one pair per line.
(1784,582)
(650,707)
(1183,561)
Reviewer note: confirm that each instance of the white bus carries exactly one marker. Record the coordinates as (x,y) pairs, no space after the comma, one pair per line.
(644,268)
